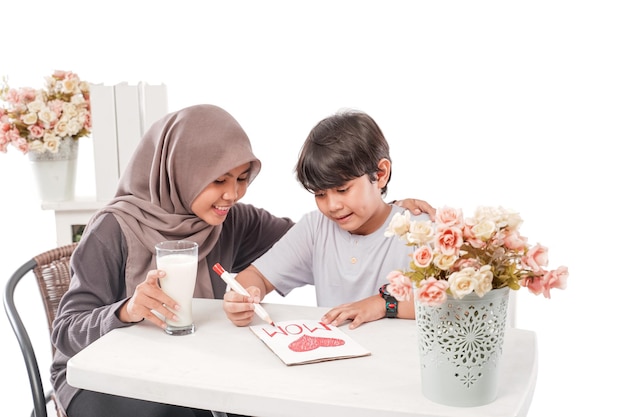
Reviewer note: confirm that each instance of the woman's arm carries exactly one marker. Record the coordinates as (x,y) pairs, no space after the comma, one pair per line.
(96,292)
(416,206)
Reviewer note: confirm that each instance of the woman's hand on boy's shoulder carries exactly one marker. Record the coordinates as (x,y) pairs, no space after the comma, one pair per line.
(416,206)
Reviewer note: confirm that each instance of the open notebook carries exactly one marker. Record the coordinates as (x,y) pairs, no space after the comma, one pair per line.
(298,342)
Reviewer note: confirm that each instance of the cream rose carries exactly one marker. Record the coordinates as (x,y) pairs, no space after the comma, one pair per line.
(30,118)
(421,233)
(47,116)
(462,282)
(444,262)
(484,279)
(484,229)
(399,225)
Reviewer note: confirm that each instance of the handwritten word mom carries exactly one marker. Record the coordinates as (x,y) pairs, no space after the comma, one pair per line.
(294,329)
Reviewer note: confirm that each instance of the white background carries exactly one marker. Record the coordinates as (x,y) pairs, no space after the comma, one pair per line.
(520,104)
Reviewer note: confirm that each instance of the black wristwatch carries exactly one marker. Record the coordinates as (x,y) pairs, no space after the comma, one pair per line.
(391,304)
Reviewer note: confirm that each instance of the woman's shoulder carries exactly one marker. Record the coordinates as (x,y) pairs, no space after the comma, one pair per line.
(104,223)
(249,221)
(102,241)
(242,212)
(104,229)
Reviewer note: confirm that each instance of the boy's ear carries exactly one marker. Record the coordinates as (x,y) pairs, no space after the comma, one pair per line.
(384,171)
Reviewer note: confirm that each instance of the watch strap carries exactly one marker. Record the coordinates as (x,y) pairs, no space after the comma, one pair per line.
(391,304)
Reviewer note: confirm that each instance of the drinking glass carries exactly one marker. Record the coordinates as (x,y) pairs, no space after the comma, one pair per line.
(179,260)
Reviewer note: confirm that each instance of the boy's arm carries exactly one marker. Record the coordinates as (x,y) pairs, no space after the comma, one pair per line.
(239,308)
(366,310)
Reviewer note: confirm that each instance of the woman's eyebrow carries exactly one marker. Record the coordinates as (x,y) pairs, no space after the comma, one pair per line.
(228,174)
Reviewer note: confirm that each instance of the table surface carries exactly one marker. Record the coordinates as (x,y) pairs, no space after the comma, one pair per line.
(227,368)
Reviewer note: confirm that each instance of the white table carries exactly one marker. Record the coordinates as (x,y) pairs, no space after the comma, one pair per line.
(227,368)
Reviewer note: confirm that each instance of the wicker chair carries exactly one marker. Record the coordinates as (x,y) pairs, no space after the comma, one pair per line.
(52,272)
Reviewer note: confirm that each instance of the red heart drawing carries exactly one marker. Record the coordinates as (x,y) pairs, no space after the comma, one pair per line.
(306,343)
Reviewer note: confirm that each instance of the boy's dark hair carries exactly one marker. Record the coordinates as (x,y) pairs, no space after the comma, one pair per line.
(341,148)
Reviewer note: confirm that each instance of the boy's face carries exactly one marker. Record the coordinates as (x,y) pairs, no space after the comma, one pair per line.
(357,206)
(215,201)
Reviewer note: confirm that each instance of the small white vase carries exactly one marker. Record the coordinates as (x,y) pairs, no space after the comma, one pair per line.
(55,173)
(460,344)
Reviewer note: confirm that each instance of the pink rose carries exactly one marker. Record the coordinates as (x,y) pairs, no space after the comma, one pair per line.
(462,263)
(448,216)
(555,279)
(13,135)
(534,284)
(399,286)
(513,240)
(36,131)
(536,258)
(432,291)
(448,240)
(470,237)
(4,143)
(56,106)
(59,75)
(27,94)
(21,144)
(423,256)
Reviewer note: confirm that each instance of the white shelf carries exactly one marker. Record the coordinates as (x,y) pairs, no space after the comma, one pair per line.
(71,215)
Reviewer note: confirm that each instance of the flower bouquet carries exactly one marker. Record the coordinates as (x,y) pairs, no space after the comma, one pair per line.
(38,120)
(461,272)
(457,256)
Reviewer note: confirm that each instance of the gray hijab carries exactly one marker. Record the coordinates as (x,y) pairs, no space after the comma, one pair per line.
(178,157)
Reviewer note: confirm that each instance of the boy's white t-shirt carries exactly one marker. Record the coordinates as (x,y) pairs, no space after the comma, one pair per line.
(344,268)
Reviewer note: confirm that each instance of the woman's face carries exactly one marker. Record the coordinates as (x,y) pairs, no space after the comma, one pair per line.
(214,202)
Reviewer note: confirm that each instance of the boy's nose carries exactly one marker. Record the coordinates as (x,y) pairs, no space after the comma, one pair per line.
(334,202)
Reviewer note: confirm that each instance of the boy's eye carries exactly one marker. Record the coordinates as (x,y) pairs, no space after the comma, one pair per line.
(319,194)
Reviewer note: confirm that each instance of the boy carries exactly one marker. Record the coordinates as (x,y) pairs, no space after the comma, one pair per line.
(341,248)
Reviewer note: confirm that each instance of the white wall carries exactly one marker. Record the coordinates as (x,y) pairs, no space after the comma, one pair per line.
(520,104)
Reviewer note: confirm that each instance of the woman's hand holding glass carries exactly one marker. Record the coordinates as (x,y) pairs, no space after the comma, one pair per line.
(148,299)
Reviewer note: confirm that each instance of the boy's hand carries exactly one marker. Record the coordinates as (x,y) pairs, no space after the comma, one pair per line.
(366,310)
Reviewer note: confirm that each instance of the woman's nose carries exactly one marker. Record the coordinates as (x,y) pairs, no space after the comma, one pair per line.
(231,192)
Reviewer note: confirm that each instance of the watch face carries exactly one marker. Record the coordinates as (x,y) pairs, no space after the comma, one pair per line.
(391,307)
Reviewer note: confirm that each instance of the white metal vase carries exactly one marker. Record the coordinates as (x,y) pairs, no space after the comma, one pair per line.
(55,172)
(460,344)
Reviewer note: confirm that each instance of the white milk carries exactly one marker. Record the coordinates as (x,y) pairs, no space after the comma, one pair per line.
(179,282)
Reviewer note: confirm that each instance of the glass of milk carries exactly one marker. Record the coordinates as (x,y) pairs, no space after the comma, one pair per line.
(179,260)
